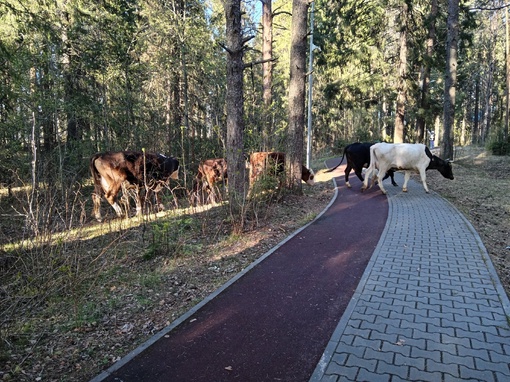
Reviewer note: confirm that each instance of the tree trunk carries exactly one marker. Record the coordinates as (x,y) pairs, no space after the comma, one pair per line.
(234,106)
(267,69)
(476,133)
(450,78)
(297,97)
(487,116)
(399,133)
(424,101)
(507,75)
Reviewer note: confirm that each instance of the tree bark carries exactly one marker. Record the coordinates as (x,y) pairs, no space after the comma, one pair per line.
(475,134)
(234,108)
(399,133)
(424,101)
(267,68)
(507,75)
(299,32)
(450,78)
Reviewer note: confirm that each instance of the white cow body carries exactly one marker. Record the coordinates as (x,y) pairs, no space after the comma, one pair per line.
(408,157)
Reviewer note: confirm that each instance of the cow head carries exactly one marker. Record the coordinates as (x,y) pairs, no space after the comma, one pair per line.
(443,166)
(308,176)
(168,167)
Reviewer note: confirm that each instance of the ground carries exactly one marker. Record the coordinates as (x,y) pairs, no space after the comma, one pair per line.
(117,287)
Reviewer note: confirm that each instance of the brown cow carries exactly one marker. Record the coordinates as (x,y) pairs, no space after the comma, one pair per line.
(210,172)
(261,162)
(140,170)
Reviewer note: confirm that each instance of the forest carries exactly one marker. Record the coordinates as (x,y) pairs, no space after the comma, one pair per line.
(80,77)
(201,79)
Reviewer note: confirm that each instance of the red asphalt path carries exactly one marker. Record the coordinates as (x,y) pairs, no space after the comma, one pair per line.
(275,321)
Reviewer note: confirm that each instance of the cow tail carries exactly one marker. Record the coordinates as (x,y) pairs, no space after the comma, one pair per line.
(98,190)
(334,168)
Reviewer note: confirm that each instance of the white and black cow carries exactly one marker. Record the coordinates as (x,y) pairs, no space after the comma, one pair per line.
(408,157)
(358,157)
(140,170)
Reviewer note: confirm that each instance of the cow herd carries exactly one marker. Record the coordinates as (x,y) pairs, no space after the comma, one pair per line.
(144,175)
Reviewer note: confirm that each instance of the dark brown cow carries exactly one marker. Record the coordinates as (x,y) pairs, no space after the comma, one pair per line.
(262,162)
(210,172)
(141,171)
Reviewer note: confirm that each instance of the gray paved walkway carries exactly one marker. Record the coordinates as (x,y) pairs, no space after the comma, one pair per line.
(429,307)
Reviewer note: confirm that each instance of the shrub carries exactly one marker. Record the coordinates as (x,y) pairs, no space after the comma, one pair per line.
(499,147)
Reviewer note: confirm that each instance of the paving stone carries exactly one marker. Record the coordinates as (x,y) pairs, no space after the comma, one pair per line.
(422,375)
(447,368)
(354,361)
(365,375)
(400,370)
(478,375)
(500,367)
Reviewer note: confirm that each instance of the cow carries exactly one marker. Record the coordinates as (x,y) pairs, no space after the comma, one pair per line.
(210,172)
(137,170)
(358,156)
(274,162)
(408,157)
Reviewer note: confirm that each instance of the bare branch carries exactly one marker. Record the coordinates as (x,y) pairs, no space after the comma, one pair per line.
(225,47)
(281,13)
(253,63)
(246,39)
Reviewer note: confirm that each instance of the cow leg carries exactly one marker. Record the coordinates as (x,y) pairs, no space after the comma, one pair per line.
(407,175)
(380,176)
(111,197)
(347,172)
(390,174)
(159,204)
(423,177)
(358,172)
(139,201)
(96,200)
(369,172)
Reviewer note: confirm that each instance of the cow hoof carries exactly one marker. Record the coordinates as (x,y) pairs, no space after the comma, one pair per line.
(404,190)
(348,184)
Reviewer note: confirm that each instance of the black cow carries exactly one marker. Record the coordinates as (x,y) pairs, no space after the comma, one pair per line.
(139,170)
(358,156)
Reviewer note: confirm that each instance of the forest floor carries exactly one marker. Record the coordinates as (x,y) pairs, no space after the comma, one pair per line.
(120,282)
